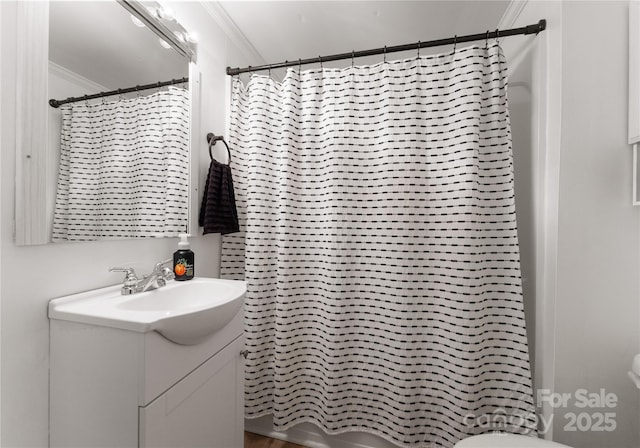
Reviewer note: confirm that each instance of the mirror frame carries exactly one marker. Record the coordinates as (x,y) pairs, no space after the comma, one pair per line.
(33,158)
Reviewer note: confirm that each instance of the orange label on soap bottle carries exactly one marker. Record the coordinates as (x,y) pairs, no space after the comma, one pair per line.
(180,269)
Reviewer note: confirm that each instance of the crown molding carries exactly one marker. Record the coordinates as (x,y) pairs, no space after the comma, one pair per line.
(75,78)
(511,14)
(229,27)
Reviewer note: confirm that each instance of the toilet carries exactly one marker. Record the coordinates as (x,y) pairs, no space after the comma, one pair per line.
(502,440)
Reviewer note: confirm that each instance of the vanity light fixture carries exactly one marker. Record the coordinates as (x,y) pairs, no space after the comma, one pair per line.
(162,22)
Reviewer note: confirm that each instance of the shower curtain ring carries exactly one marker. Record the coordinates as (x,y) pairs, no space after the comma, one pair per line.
(299,65)
(320,59)
(385,55)
(455,43)
(418,49)
(269,70)
(486,40)
(352,58)
(497,34)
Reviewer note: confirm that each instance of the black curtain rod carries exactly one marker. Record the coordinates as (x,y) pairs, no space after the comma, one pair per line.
(530,29)
(58,103)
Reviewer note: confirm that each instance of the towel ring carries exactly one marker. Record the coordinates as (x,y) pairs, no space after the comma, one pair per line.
(212,139)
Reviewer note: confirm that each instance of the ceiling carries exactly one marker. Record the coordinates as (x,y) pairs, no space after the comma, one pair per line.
(90,37)
(289,30)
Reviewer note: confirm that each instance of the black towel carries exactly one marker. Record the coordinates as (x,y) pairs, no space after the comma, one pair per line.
(218,212)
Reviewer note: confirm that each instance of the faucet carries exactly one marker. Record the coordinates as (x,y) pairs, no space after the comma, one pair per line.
(156,279)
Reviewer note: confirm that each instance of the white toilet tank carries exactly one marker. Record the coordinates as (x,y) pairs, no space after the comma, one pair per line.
(499,440)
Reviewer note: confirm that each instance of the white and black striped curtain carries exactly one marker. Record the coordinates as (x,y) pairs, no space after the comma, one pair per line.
(124,168)
(380,250)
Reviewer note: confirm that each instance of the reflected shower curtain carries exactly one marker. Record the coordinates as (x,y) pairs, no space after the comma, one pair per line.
(124,168)
(380,250)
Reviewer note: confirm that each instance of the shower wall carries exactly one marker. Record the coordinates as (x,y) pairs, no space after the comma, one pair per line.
(597,304)
(586,237)
(520,111)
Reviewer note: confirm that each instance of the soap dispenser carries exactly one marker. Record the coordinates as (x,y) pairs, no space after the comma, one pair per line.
(183,260)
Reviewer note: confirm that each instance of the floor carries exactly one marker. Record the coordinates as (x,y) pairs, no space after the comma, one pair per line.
(252,440)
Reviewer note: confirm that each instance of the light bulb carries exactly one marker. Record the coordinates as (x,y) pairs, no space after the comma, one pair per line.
(191,37)
(136,21)
(165,13)
(164,44)
(180,35)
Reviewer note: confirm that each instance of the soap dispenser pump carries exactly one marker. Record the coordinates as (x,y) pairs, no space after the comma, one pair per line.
(183,260)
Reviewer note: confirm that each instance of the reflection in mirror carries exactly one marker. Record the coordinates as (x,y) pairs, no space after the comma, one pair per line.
(119,163)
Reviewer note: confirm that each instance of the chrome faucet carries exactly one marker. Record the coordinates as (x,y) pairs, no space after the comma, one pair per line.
(156,279)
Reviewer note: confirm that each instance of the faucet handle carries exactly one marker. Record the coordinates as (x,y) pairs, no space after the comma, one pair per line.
(167,273)
(130,279)
(129,272)
(161,264)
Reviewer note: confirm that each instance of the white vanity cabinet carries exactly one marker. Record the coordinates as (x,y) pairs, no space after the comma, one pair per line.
(175,419)
(118,388)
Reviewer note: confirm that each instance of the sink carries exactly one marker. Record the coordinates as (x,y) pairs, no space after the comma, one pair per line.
(184,312)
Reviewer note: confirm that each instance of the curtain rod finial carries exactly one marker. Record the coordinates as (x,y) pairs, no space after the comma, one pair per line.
(542,25)
(535,29)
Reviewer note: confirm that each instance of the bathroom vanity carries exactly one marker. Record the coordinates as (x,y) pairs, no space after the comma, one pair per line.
(132,387)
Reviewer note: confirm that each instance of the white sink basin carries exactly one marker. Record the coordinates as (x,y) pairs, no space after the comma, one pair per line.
(183,312)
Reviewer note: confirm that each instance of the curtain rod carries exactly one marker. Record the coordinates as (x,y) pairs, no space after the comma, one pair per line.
(530,29)
(58,103)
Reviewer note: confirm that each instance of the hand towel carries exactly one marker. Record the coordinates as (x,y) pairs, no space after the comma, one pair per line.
(218,212)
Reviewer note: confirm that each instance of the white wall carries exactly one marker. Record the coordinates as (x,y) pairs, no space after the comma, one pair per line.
(588,235)
(597,303)
(33,275)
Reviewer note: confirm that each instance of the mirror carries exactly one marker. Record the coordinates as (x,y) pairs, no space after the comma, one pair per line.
(93,48)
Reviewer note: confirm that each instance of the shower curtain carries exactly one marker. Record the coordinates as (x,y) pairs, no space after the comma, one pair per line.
(124,168)
(380,250)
